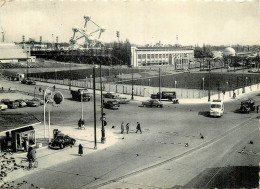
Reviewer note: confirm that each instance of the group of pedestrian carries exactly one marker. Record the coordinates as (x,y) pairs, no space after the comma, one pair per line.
(138,128)
(81,124)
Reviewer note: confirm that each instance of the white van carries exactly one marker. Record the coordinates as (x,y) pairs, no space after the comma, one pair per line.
(216,108)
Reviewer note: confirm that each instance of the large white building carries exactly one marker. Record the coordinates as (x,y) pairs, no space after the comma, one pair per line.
(150,56)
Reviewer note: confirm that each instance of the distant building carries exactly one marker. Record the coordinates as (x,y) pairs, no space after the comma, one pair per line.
(151,56)
(11,53)
(229,51)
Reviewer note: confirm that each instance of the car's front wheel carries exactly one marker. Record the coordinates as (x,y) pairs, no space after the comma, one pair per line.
(73,142)
(61,146)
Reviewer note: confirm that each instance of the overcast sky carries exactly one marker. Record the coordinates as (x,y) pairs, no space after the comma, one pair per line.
(143,22)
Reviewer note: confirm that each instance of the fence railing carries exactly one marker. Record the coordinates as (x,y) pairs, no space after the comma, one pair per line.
(138,90)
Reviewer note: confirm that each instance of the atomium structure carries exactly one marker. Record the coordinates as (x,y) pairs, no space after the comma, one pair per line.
(91,35)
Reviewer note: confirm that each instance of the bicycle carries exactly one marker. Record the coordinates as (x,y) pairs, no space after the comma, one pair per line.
(29,164)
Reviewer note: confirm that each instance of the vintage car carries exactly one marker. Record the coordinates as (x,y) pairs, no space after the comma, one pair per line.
(21,102)
(12,104)
(111,104)
(3,106)
(38,100)
(152,103)
(122,100)
(60,141)
(30,82)
(111,95)
(5,101)
(32,103)
(247,106)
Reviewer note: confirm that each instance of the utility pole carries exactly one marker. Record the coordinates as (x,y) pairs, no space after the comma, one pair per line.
(209,83)
(103,138)
(27,70)
(160,84)
(95,121)
(132,84)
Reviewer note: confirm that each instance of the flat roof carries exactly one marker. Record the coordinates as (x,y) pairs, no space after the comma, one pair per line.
(9,122)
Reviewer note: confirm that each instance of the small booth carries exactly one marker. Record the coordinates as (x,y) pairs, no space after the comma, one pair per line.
(15,136)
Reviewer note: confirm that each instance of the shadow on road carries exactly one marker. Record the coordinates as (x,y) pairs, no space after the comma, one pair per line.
(226,177)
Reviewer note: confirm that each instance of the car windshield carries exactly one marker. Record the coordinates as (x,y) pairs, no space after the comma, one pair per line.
(215,106)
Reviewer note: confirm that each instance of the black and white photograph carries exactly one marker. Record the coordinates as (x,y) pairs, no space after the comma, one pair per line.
(129,94)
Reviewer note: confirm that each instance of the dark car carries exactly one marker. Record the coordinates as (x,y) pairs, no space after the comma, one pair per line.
(5,101)
(38,100)
(13,105)
(152,103)
(61,141)
(32,103)
(21,102)
(110,95)
(30,82)
(111,104)
(247,106)
(23,81)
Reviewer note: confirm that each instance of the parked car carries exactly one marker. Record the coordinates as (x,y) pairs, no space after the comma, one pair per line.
(38,100)
(61,141)
(21,102)
(123,100)
(32,103)
(111,95)
(152,103)
(5,101)
(12,104)
(247,106)
(3,106)
(23,81)
(30,82)
(111,104)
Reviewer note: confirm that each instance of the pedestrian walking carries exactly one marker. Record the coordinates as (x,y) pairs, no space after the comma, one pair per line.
(138,128)
(80,149)
(79,123)
(122,127)
(127,128)
(257,108)
(54,87)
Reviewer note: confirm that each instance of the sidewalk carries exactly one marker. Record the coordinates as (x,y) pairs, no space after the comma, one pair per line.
(47,157)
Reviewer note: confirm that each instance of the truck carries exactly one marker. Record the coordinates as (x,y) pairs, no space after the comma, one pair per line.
(216,108)
(80,93)
(165,95)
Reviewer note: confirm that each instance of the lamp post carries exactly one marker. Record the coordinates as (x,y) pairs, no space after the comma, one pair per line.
(203,83)
(44,109)
(160,84)
(132,85)
(103,137)
(95,120)
(209,83)
(81,99)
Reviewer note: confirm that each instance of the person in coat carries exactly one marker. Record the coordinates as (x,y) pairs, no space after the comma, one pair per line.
(79,123)
(122,127)
(80,149)
(127,128)
(138,128)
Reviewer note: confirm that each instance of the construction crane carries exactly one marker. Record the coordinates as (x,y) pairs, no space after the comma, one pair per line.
(91,37)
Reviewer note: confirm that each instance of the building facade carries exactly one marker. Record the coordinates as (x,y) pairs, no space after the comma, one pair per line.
(151,56)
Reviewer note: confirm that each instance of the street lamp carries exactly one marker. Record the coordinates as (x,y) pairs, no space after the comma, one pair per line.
(44,109)
(203,83)
(103,138)
(81,98)
(132,84)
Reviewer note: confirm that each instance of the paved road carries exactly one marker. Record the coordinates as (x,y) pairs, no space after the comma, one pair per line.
(158,157)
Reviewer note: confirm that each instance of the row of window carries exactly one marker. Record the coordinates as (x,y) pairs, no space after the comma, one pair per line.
(148,56)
